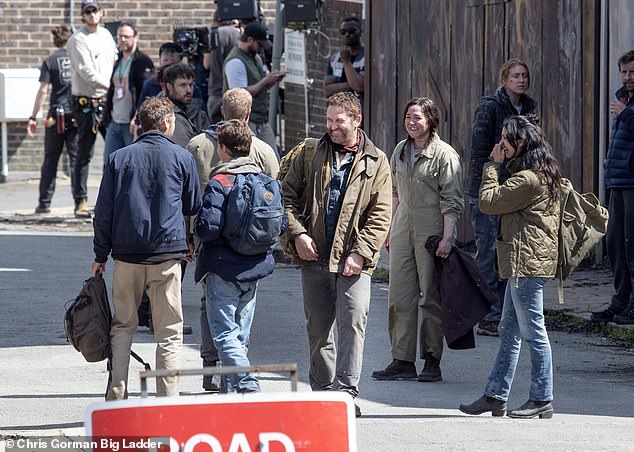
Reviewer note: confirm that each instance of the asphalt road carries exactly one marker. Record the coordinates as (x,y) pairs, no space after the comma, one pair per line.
(45,385)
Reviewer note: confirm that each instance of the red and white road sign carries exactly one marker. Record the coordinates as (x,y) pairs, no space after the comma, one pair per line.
(272,422)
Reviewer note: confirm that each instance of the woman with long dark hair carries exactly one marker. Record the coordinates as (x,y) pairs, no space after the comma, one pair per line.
(529,207)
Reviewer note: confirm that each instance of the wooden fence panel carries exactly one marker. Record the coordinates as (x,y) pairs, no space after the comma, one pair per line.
(524,25)
(590,89)
(466,89)
(382,73)
(495,51)
(431,66)
(466,76)
(407,33)
(451,51)
(561,86)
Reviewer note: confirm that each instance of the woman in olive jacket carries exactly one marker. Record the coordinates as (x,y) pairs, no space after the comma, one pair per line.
(528,203)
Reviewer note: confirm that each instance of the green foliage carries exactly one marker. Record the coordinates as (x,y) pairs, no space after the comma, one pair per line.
(563,321)
(381,274)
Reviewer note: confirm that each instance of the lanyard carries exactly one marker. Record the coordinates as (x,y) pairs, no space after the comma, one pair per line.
(120,71)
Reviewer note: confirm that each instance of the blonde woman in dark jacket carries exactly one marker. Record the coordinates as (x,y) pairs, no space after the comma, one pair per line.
(527,254)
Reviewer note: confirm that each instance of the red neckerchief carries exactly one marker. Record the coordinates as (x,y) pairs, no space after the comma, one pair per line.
(348,149)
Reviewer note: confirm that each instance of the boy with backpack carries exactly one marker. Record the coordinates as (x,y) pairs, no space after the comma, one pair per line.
(239,224)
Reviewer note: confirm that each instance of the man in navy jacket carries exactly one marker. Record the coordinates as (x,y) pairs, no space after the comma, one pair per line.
(619,180)
(231,278)
(146,191)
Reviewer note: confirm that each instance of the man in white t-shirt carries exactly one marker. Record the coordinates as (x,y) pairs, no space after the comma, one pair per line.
(92,53)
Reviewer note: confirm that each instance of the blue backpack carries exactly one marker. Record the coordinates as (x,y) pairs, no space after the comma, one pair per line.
(254,217)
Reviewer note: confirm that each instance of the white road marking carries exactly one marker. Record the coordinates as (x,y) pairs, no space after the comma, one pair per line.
(49,233)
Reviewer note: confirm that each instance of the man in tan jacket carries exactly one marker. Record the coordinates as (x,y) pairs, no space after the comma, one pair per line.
(338,199)
(236,104)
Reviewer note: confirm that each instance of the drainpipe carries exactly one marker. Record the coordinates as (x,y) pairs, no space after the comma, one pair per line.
(604,83)
(71,15)
(278,36)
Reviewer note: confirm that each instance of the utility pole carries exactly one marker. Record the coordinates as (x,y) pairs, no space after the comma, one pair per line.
(278,36)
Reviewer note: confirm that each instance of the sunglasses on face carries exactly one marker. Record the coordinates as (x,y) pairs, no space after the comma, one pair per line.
(347,31)
(91,11)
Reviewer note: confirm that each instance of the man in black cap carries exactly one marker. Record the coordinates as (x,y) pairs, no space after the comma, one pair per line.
(243,68)
(92,53)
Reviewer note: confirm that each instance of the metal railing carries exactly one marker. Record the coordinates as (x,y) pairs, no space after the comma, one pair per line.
(219,370)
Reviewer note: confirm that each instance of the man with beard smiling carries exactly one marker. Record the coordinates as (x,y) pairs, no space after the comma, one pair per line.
(338,199)
(191,119)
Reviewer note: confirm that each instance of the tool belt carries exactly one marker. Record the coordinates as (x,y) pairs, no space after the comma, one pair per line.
(94,104)
(85,101)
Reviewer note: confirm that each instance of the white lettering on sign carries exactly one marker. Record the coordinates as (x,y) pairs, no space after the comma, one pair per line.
(239,442)
(268,438)
(195,440)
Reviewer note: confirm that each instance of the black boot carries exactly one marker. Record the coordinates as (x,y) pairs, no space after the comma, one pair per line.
(431,371)
(607,315)
(533,408)
(485,404)
(211,383)
(396,370)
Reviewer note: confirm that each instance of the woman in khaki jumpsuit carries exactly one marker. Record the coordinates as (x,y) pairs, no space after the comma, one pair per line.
(427,200)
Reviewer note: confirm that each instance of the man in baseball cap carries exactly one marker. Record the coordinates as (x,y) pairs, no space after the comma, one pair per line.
(85,4)
(258,32)
(244,68)
(92,53)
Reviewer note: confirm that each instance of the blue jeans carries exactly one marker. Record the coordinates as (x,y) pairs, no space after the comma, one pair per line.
(523,318)
(230,309)
(485,228)
(117,137)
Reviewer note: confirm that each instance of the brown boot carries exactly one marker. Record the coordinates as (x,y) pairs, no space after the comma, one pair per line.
(431,371)
(81,209)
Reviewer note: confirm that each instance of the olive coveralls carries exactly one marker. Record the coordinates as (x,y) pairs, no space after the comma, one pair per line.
(426,191)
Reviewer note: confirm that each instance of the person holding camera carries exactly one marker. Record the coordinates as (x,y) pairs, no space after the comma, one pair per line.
(244,68)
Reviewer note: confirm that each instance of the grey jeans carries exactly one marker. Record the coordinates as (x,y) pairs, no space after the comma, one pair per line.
(346,299)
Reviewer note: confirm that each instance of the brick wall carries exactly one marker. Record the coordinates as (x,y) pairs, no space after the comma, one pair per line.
(318,48)
(25,40)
